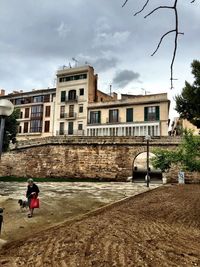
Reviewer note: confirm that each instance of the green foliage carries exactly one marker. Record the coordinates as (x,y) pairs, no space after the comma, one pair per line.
(11,127)
(188,102)
(187,155)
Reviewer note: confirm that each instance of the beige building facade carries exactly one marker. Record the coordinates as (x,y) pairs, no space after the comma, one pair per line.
(77,107)
(130,116)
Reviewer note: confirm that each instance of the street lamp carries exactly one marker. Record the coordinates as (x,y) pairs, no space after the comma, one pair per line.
(6,109)
(147,178)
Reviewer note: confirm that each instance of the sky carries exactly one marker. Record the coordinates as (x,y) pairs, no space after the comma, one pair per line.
(39,36)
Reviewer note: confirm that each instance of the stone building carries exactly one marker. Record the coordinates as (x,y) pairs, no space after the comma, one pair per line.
(77,107)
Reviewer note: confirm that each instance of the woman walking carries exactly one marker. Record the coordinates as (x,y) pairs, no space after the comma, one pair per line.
(32,193)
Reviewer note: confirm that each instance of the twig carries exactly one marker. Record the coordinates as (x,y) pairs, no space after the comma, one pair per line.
(124,3)
(135,14)
(160,7)
(161,39)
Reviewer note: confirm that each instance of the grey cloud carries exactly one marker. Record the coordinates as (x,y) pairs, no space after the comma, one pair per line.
(124,77)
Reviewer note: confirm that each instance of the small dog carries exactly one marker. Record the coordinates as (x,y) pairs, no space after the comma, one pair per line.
(23,204)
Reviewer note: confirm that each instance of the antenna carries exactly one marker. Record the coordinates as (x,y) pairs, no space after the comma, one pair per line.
(75,61)
(145,91)
(70,65)
(110,89)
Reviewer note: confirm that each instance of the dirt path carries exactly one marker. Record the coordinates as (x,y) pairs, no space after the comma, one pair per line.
(158,228)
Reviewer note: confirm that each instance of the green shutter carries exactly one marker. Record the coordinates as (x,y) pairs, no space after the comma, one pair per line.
(63,96)
(129,115)
(99,116)
(157,113)
(145,113)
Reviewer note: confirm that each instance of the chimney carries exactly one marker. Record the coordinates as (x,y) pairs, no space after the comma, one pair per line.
(2,92)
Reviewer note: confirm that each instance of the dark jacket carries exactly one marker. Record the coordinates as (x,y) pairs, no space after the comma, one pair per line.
(32,189)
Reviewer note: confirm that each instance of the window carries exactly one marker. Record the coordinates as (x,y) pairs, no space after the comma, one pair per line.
(129,114)
(26,127)
(113,115)
(63,96)
(81,91)
(37,99)
(80,108)
(71,110)
(20,129)
(21,115)
(36,112)
(46,126)
(152,113)
(47,98)
(62,112)
(95,117)
(27,112)
(47,111)
(36,126)
(72,95)
(70,127)
(80,126)
(62,125)
(19,101)
(72,78)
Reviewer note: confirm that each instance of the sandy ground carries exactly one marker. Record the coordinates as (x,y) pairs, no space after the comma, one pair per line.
(157,228)
(59,202)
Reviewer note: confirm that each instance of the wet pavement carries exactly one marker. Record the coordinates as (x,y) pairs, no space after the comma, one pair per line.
(60,201)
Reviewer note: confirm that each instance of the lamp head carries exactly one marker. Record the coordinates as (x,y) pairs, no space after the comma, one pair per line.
(6,107)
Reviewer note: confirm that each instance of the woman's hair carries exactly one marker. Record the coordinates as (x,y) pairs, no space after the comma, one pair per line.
(30,180)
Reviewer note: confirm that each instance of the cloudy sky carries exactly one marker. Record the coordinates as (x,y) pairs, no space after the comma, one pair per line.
(39,36)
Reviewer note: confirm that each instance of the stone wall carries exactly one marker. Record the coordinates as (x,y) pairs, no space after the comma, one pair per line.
(190,177)
(108,158)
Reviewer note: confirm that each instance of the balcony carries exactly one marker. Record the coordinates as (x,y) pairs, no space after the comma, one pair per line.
(71,99)
(70,116)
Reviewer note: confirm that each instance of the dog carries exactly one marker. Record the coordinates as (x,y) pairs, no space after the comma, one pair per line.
(23,204)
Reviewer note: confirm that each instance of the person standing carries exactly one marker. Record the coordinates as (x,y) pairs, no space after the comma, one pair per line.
(32,192)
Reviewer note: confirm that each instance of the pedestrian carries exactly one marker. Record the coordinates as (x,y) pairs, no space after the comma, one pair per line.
(32,193)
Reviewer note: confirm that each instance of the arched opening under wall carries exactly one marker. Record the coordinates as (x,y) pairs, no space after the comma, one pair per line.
(140,168)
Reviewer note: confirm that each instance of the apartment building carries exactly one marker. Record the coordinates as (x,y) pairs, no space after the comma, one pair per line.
(77,107)
(131,116)
(37,109)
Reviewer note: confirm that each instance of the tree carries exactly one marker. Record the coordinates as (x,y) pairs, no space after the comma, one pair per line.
(11,128)
(187,155)
(175,30)
(188,102)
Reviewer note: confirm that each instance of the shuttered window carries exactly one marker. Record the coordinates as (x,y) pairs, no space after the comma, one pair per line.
(129,114)
(152,113)
(63,96)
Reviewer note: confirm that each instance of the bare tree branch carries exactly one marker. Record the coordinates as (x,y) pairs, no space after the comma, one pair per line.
(160,7)
(135,14)
(161,39)
(175,31)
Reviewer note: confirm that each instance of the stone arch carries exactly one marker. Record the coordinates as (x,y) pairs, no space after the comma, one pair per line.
(139,166)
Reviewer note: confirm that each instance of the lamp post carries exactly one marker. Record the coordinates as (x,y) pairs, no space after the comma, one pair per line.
(6,109)
(147,138)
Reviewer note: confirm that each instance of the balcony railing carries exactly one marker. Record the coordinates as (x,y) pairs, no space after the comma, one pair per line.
(71,99)
(70,116)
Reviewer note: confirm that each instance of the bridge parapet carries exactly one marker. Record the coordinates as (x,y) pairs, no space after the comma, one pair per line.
(88,140)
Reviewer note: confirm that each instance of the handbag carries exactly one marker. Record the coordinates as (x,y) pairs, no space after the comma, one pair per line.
(35,203)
